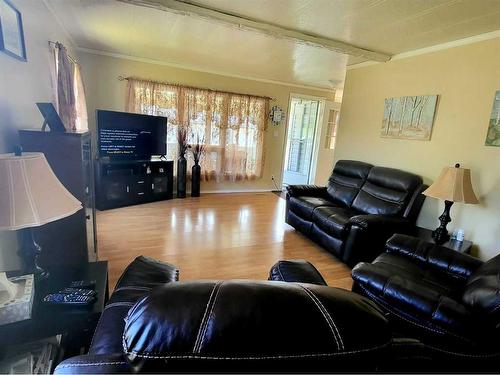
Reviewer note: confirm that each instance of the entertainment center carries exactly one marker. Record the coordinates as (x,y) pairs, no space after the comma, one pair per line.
(129,169)
(122,183)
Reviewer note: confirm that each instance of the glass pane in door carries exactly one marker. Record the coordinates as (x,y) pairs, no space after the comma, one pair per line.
(303,118)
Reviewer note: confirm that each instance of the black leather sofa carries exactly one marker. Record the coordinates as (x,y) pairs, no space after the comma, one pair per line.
(448,300)
(358,210)
(153,323)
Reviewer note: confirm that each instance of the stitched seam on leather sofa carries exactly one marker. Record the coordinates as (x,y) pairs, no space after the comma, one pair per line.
(144,288)
(343,184)
(204,320)
(492,355)
(209,314)
(115,304)
(327,316)
(398,313)
(69,365)
(284,356)
(383,199)
(119,304)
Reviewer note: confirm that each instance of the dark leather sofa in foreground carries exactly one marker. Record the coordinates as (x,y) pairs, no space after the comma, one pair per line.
(359,209)
(153,323)
(233,326)
(448,300)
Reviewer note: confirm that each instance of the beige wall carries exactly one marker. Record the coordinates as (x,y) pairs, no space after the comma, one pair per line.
(105,91)
(22,84)
(466,79)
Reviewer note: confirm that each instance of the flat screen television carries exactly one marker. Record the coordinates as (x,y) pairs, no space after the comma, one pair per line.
(130,136)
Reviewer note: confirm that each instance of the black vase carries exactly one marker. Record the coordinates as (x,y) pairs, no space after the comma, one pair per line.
(195,180)
(181,176)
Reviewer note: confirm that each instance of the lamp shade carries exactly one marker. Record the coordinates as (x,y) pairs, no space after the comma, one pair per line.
(454,185)
(30,193)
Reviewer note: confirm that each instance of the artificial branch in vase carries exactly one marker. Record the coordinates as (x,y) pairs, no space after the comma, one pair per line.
(198,150)
(182,141)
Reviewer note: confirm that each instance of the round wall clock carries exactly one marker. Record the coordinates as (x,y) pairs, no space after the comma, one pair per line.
(276,115)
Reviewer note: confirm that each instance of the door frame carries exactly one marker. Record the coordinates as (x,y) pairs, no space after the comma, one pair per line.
(317,135)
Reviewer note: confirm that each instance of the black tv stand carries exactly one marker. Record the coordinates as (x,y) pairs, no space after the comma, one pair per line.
(126,182)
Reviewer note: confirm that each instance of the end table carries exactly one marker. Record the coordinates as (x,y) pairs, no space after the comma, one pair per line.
(76,324)
(460,246)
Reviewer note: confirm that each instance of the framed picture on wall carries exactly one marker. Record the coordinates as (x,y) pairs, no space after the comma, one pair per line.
(493,136)
(11,31)
(409,117)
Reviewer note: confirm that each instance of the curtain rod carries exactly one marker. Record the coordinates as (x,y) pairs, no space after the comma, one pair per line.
(122,78)
(73,60)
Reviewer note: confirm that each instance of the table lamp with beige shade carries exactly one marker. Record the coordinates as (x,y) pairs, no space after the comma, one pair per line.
(30,196)
(453,185)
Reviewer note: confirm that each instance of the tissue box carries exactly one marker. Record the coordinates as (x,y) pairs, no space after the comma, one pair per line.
(19,308)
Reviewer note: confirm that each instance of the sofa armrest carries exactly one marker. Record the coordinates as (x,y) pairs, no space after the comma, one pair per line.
(296,271)
(368,235)
(446,260)
(381,222)
(306,190)
(95,364)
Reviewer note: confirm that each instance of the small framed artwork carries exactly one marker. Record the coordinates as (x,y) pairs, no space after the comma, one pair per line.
(11,31)
(493,136)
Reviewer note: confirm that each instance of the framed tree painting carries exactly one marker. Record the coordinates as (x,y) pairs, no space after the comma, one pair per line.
(493,136)
(11,31)
(409,117)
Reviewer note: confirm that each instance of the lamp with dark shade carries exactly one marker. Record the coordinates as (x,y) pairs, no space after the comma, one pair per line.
(452,185)
(31,196)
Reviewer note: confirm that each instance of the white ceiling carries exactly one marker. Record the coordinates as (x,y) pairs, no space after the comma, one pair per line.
(388,26)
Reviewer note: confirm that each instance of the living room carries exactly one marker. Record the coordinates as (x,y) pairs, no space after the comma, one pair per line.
(400,99)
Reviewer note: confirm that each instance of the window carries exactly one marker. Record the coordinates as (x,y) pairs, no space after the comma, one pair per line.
(232,126)
(331,129)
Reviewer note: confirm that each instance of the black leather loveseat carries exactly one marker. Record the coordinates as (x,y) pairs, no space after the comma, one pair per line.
(359,209)
(448,300)
(153,323)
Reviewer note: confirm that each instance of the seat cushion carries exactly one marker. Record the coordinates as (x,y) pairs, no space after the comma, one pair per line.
(333,220)
(136,282)
(415,293)
(304,206)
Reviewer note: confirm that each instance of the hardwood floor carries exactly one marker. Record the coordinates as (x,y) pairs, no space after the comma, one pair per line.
(216,236)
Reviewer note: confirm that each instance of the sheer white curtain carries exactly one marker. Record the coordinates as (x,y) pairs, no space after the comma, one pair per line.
(69,92)
(232,126)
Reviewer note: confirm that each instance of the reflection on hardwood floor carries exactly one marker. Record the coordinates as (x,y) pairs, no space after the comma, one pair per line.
(216,236)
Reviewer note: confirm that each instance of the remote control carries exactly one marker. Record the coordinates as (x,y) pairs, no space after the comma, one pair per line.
(68,299)
(82,292)
(82,284)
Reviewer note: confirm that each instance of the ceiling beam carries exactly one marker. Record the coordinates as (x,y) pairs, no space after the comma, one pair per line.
(189,9)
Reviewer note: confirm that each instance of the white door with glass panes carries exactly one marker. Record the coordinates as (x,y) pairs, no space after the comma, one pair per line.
(303,117)
(327,142)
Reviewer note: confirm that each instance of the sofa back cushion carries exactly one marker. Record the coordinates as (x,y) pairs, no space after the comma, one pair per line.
(251,325)
(482,292)
(387,191)
(346,179)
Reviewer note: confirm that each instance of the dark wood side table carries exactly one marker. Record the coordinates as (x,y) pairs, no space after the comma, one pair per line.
(76,324)
(460,246)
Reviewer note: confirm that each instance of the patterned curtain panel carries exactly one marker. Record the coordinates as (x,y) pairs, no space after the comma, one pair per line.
(232,126)
(69,93)
(65,88)
(81,120)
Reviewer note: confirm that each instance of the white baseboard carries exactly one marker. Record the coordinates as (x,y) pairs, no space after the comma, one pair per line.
(229,191)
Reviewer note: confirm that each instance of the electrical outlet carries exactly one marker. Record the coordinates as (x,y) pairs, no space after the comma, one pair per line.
(272,177)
